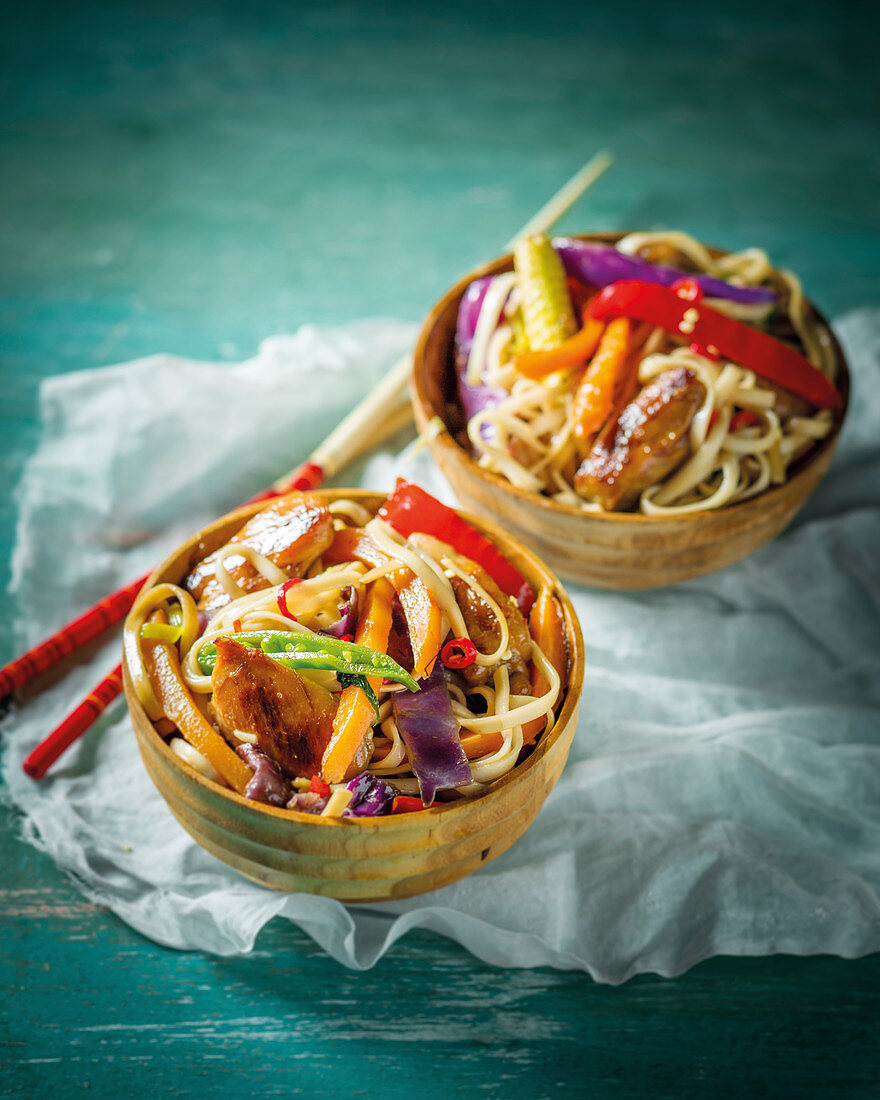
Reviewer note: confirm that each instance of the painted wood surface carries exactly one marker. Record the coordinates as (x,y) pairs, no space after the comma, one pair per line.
(195,177)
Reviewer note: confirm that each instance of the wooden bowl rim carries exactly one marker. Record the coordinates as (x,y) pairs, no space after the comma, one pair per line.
(444,440)
(517,774)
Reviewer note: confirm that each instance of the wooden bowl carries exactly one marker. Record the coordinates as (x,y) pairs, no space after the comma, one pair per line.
(360,859)
(605,550)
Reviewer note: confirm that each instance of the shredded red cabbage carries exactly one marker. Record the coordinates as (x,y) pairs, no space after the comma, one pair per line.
(600,265)
(430,733)
(269,783)
(371,796)
(474,399)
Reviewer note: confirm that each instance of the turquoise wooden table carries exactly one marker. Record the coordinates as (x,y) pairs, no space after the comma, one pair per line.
(193,178)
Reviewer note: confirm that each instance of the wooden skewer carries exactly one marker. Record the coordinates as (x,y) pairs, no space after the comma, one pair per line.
(374,419)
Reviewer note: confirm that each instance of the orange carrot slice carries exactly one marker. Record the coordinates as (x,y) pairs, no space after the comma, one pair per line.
(481,744)
(163,666)
(571,353)
(352,544)
(423,615)
(547,628)
(425,621)
(599,389)
(355,714)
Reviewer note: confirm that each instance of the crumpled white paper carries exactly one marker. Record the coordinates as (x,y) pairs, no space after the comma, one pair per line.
(723,790)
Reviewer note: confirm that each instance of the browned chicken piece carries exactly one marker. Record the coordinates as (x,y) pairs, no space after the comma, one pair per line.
(485,632)
(644,444)
(293,532)
(290,715)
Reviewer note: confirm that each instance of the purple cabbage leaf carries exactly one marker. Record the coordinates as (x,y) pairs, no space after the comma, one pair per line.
(348,615)
(430,732)
(600,265)
(269,784)
(371,796)
(474,399)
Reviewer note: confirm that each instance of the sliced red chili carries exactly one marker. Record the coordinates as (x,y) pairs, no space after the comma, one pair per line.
(318,786)
(458,653)
(282,597)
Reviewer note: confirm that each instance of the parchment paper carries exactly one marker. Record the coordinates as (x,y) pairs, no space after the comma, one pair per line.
(723,790)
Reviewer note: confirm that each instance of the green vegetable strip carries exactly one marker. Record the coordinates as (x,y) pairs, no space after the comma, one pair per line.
(548,316)
(165,632)
(314,651)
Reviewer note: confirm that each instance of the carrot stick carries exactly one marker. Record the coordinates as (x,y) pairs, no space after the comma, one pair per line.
(480,744)
(423,615)
(546,626)
(425,621)
(572,352)
(599,389)
(474,745)
(352,544)
(163,666)
(355,715)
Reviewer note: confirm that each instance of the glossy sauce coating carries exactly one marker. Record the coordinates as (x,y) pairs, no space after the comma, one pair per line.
(646,442)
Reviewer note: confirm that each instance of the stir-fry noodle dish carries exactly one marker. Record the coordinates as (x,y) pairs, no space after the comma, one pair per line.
(331,661)
(650,376)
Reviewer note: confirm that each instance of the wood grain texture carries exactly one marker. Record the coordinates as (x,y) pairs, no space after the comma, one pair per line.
(88,1007)
(362,859)
(616,550)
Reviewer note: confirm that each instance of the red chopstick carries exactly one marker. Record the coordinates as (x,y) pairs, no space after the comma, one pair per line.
(74,725)
(71,637)
(309,476)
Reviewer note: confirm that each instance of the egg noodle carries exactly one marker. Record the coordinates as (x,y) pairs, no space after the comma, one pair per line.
(315,604)
(528,437)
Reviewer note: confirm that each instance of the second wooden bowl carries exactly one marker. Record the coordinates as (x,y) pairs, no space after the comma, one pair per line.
(617,550)
(361,859)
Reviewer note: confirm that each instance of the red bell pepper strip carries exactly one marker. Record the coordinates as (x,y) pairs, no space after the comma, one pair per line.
(403,804)
(744,418)
(318,786)
(719,334)
(411,509)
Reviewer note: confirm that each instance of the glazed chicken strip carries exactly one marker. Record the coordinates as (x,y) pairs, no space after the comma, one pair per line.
(292,533)
(645,443)
(290,715)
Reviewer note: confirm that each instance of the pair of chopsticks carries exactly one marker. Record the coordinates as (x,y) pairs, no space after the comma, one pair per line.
(384,411)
